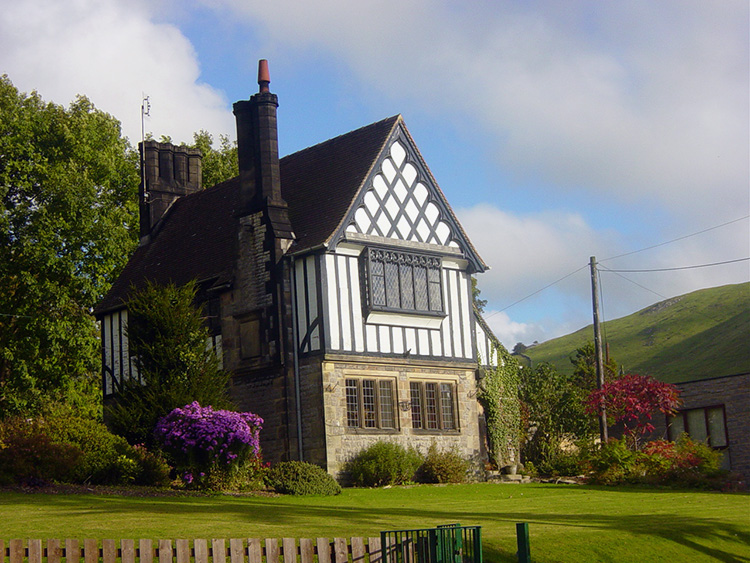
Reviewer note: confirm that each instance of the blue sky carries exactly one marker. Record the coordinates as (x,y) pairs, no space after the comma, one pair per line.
(557,130)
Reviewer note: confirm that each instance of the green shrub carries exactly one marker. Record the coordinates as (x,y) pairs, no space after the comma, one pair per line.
(301,478)
(445,466)
(561,463)
(681,463)
(685,462)
(107,459)
(383,463)
(71,449)
(29,456)
(612,463)
(153,469)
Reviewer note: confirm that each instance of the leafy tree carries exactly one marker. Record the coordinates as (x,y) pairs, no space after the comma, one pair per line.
(631,401)
(167,336)
(218,164)
(552,412)
(68,187)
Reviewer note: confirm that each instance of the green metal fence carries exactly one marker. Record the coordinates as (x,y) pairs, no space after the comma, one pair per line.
(451,543)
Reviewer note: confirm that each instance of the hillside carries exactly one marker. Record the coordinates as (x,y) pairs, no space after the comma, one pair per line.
(700,335)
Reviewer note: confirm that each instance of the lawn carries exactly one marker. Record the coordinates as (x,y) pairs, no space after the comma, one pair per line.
(566,522)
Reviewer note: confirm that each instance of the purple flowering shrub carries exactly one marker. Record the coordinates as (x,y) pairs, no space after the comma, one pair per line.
(211,448)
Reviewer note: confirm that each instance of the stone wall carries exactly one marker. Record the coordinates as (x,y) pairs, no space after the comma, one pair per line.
(342,442)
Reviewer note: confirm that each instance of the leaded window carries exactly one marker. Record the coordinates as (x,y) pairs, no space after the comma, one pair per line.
(433,405)
(403,282)
(370,403)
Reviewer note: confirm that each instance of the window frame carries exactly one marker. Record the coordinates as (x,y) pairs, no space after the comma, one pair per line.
(379,294)
(429,411)
(366,406)
(683,415)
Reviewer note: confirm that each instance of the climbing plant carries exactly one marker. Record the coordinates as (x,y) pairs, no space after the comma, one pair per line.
(498,395)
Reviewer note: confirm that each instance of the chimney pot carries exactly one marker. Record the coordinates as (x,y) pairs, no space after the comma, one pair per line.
(264,78)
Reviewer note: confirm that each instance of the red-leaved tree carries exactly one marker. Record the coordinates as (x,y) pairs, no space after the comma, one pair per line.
(632,400)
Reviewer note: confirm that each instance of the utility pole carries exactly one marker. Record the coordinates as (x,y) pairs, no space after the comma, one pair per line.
(603,433)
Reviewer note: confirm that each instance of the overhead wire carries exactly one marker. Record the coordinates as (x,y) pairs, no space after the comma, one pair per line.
(678,268)
(678,238)
(618,271)
(537,291)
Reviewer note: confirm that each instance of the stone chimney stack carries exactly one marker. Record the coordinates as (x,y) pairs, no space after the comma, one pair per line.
(169,172)
(258,156)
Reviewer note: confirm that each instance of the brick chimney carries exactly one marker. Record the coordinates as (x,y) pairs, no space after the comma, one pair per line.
(169,172)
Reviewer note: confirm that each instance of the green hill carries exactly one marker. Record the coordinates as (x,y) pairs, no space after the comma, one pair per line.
(700,335)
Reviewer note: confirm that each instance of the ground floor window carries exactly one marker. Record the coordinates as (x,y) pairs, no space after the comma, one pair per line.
(433,405)
(705,424)
(370,404)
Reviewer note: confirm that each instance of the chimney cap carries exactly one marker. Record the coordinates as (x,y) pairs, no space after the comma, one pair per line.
(264,78)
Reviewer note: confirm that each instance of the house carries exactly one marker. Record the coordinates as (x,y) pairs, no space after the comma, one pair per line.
(716,411)
(337,285)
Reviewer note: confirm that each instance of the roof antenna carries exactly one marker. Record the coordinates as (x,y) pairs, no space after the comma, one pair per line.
(145,112)
(264,79)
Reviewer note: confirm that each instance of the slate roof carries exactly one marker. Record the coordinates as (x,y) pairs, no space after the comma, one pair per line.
(196,238)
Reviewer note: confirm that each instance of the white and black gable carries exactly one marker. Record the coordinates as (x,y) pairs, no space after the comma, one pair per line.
(401,201)
(395,278)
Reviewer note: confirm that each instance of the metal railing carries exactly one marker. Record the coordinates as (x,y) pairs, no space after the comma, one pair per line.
(451,543)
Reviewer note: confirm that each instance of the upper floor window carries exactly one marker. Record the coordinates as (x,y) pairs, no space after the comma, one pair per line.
(403,282)
(704,425)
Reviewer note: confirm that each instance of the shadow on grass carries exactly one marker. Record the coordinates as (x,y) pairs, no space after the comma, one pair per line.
(694,533)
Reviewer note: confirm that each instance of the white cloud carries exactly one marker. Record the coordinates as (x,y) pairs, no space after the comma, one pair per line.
(528,252)
(112,52)
(540,270)
(632,102)
(510,332)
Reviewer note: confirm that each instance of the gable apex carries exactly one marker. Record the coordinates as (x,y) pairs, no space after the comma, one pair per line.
(401,201)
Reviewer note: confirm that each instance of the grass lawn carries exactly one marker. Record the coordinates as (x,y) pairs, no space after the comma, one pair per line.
(566,522)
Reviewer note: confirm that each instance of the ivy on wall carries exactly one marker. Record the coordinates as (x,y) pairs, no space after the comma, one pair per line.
(498,395)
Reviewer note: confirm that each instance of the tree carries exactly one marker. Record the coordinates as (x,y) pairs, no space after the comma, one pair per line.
(480,304)
(167,336)
(219,164)
(584,370)
(552,412)
(631,401)
(68,186)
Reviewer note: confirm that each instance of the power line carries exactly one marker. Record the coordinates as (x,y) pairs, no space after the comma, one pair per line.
(636,271)
(679,268)
(537,291)
(677,239)
(636,283)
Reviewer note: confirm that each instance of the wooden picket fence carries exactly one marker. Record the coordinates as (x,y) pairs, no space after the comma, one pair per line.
(253,550)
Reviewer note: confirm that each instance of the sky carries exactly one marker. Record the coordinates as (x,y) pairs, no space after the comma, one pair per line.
(558,131)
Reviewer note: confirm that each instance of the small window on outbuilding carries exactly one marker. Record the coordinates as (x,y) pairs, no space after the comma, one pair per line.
(706,424)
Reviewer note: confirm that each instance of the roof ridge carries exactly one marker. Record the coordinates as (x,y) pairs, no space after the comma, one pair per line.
(338,137)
